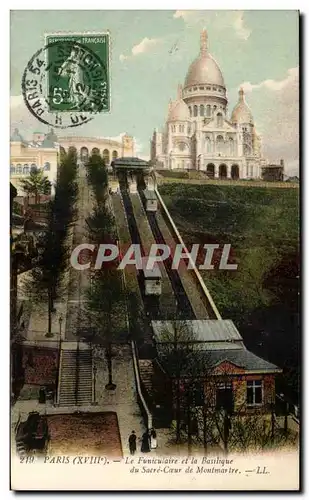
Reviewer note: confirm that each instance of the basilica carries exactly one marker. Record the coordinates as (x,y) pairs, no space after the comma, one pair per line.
(200,135)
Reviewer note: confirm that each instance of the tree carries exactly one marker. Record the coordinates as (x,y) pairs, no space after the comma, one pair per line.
(176,348)
(97,176)
(37,184)
(105,304)
(44,283)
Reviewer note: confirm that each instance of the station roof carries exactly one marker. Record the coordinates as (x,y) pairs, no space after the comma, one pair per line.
(204,330)
(198,363)
(130,163)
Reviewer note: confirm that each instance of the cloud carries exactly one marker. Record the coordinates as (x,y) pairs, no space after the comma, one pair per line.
(144,46)
(21,118)
(239,26)
(275,85)
(279,122)
(220,20)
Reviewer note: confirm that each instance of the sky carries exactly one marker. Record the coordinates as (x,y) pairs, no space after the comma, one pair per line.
(256,49)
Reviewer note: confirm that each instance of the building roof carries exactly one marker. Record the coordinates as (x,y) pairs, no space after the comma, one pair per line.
(205,330)
(204,68)
(198,363)
(130,162)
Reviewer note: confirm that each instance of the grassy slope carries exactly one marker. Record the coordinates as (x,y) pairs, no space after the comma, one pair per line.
(262,227)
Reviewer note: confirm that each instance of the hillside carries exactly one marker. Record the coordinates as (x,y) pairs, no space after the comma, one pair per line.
(262,226)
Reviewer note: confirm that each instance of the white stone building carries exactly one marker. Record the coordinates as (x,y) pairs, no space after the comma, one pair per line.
(41,153)
(199,134)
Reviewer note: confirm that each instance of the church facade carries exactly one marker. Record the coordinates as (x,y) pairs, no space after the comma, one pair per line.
(200,135)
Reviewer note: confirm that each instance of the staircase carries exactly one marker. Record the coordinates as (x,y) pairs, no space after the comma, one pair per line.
(75,385)
(146,374)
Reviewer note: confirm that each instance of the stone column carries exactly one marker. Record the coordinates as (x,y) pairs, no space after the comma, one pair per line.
(228,171)
(216,171)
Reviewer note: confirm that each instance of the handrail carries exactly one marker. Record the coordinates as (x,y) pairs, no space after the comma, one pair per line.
(59,374)
(196,272)
(138,386)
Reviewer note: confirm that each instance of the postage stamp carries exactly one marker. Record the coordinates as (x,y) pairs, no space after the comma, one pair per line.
(155,250)
(67,82)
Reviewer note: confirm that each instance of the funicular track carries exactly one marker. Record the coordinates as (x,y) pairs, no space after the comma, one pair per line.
(151,304)
(184,307)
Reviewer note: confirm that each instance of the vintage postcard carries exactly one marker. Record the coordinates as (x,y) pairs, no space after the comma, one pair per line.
(154,186)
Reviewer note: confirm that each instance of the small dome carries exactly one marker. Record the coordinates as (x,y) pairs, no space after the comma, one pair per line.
(242,113)
(204,68)
(178,111)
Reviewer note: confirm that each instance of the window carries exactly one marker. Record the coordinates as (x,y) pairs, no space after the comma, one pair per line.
(12,169)
(189,130)
(195,110)
(19,168)
(114,155)
(208,88)
(190,110)
(195,88)
(46,165)
(254,392)
(208,145)
(231,146)
(219,120)
(202,110)
(220,144)
(208,110)
(106,156)
(26,169)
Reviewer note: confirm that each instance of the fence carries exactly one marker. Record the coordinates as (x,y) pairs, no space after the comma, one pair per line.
(210,305)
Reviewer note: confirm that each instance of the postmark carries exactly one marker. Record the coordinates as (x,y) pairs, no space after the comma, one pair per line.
(66,83)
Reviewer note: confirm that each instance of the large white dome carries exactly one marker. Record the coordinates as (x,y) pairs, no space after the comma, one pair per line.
(204,68)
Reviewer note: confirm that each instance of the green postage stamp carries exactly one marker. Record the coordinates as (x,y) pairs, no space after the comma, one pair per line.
(68,81)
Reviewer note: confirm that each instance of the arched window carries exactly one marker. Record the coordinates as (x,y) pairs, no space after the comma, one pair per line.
(190,110)
(26,169)
(210,170)
(222,171)
(219,120)
(235,172)
(219,144)
(208,145)
(84,153)
(114,155)
(19,168)
(33,167)
(208,110)
(106,157)
(202,110)
(182,146)
(95,151)
(46,166)
(231,146)
(189,130)
(12,169)
(195,110)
